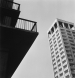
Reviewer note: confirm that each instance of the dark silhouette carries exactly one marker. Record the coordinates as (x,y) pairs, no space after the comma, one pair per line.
(16,37)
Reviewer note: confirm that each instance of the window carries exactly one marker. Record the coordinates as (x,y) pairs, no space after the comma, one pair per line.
(51,46)
(71,26)
(55,72)
(63,56)
(49,33)
(65,39)
(58,38)
(68,51)
(57,34)
(60,24)
(71,60)
(54,42)
(73,35)
(63,32)
(56,52)
(58,60)
(62,52)
(62,29)
(54,64)
(51,42)
(52,56)
(69,34)
(68,31)
(55,68)
(66,25)
(53,35)
(66,71)
(60,69)
(60,44)
(55,45)
(61,48)
(70,37)
(54,38)
(65,66)
(73,70)
(57,31)
(50,39)
(56,48)
(67,46)
(61,74)
(73,75)
(55,25)
(52,29)
(52,52)
(63,61)
(57,56)
(73,32)
(53,60)
(56,77)
(59,41)
(51,49)
(73,48)
(73,51)
(66,42)
(72,44)
(67,76)
(72,65)
(59,65)
(63,35)
(69,55)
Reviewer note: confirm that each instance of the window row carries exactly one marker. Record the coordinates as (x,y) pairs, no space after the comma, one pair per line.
(65,25)
(53,29)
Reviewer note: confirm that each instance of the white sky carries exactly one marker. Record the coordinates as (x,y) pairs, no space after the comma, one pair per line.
(37,62)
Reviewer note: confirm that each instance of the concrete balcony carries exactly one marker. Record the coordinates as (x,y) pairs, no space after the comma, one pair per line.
(26,24)
(14,44)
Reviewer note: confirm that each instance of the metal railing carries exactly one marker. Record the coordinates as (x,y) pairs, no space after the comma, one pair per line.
(9,5)
(26,24)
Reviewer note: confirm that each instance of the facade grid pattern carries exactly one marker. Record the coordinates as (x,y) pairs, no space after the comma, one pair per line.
(61,37)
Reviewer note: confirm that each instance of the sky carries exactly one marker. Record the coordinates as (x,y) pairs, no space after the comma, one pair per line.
(37,62)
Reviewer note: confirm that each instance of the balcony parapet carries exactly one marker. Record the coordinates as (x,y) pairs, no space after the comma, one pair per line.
(26,24)
(9,5)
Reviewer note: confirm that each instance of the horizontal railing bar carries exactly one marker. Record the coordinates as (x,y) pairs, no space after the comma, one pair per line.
(27,20)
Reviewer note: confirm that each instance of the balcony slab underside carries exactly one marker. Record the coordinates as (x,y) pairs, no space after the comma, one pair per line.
(15,42)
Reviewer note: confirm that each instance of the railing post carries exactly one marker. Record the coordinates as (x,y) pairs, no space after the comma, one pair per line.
(36,26)
(33,26)
(18,6)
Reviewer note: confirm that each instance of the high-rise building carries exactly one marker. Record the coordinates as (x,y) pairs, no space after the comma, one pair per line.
(16,37)
(61,35)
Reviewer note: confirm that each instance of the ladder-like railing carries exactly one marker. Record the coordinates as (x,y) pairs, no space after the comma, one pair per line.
(26,24)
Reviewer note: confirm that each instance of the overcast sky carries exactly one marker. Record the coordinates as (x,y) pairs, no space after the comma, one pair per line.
(37,62)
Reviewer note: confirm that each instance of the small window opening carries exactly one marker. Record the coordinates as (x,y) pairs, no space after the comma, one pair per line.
(52,29)
(55,25)
(66,25)
(60,24)
(71,26)
(49,32)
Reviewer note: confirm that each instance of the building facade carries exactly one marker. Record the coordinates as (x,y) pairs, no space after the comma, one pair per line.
(61,37)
